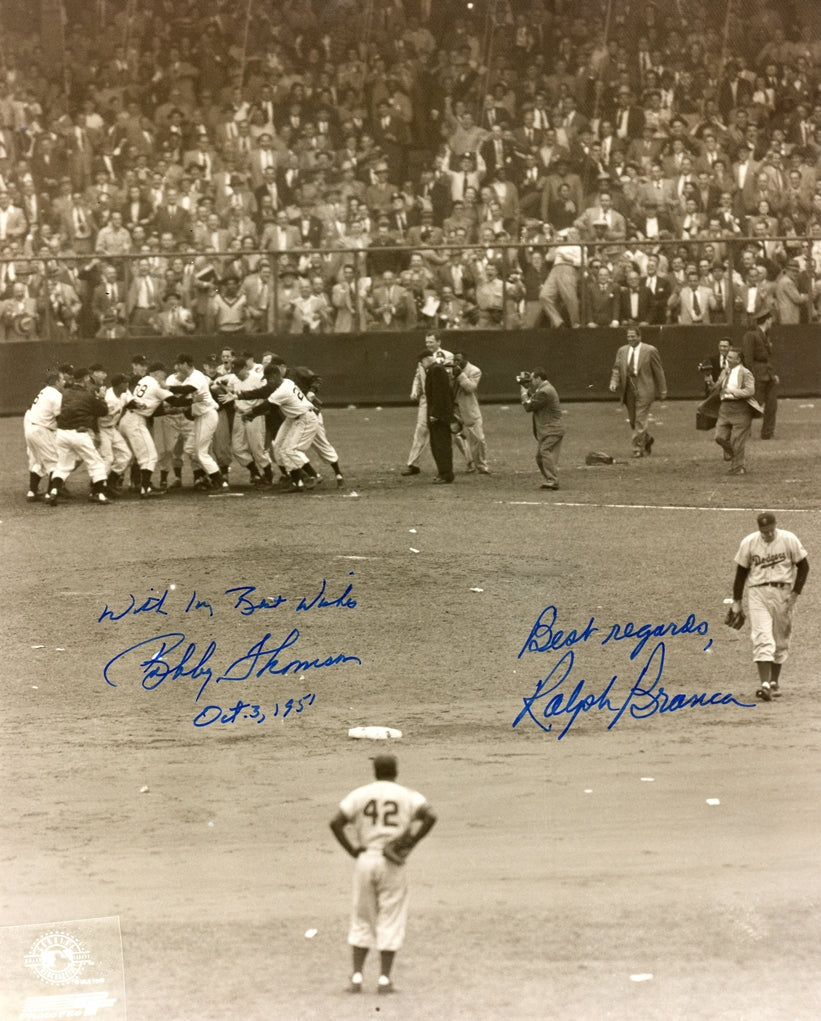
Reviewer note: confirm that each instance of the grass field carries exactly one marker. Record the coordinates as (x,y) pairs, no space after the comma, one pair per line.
(559,870)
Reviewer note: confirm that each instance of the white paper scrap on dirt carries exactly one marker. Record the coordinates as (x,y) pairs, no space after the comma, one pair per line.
(310,933)
(642,977)
(412,549)
(477,590)
(648,779)
(713,801)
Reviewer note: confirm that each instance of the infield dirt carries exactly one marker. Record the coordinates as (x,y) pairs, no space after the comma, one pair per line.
(558,868)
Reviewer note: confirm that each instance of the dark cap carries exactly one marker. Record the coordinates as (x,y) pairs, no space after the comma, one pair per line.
(765,313)
(385,765)
(765,518)
(139,360)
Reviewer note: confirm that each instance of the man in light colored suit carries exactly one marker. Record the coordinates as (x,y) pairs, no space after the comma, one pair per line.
(638,378)
(694,301)
(466,378)
(735,388)
(345,299)
(789,300)
(604,215)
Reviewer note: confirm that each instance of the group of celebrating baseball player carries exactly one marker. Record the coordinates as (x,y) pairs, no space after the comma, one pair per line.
(260,414)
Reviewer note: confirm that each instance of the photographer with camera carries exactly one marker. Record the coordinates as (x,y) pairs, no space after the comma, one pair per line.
(539,397)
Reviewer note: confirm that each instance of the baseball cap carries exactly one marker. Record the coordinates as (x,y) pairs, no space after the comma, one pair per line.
(766,518)
(765,313)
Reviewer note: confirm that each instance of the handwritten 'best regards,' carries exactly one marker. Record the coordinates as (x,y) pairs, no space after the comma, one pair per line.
(562,696)
(171,657)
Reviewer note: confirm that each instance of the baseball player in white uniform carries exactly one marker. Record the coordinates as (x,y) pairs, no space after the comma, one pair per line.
(298,429)
(374,815)
(421,434)
(148,395)
(466,379)
(189,382)
(774,565)
(247,436)
(40,430)
(114,450)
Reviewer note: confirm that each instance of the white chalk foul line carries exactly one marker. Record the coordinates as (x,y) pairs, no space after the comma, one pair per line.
(653,506)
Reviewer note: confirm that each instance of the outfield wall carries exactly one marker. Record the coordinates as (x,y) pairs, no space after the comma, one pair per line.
(377,368)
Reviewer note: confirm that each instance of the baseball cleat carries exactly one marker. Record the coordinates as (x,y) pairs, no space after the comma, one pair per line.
(355,984)
(484,471)
(648,446)
(339,481)
(31,496)
(51,498)
(146,492)
(411,469)
(384,986)
(764,693)
(549,485)
(98,498)
(638,453)
(774,689)
(176,484)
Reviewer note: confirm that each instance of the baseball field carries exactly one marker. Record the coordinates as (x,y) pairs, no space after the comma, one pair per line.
(621,852)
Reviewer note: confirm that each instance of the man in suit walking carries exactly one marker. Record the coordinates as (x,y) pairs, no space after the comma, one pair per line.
(757,349)
(638,378)
(736,387)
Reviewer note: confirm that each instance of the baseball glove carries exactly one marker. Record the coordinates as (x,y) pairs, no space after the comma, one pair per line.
(398,849)
(598,457)
(735,620)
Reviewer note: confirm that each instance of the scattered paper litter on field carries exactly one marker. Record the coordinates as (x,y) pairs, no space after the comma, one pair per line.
(505,407)
(60,648)
(143,790)
(310,933)
(350,407)
(648,779)
(713,801)
(800,406)
(35,687)
(378,407)
(477,590)
(211,823)
(171,587)
(412,531)
(411,548)
(641,977)
(352,493)
(38,646)
(588,790)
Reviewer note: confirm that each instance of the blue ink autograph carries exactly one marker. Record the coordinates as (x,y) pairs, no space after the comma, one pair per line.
(543,638)
(646,696)
(245,598)
(152,658)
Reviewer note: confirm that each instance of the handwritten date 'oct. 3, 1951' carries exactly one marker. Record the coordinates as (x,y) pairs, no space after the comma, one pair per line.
(562,697)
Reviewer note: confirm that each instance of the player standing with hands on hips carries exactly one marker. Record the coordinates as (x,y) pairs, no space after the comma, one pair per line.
(773,564)
(387,821)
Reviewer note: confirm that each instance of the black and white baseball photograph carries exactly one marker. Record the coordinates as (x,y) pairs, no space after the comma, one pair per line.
(410,507)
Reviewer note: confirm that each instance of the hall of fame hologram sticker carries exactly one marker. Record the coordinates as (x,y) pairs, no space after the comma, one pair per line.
(62,970)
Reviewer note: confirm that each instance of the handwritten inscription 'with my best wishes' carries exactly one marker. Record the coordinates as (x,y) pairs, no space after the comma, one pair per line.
(155,660)
(562,696)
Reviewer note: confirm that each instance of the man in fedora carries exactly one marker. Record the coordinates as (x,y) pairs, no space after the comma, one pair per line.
(757,350)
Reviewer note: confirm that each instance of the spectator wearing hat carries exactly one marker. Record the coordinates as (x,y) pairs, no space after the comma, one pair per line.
(287,292)
(788,298)
(18,315)
(379,194)
(561,173)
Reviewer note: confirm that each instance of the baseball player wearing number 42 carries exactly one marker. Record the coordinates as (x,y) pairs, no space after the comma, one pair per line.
(774,566)
(378,814)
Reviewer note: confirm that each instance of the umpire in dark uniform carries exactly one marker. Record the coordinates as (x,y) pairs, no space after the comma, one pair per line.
(757,349)
(439,395)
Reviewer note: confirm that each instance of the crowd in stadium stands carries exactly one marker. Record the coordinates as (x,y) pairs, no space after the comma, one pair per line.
(331,166)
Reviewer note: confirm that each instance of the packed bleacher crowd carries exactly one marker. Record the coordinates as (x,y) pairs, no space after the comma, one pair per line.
(339,165)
